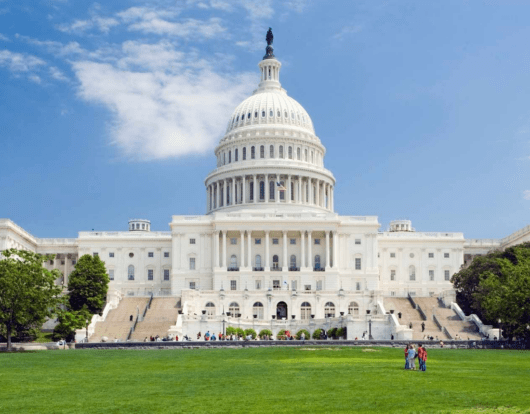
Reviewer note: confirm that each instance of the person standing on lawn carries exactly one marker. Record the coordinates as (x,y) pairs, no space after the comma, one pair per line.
(407,356)
(412,357)
(422,356)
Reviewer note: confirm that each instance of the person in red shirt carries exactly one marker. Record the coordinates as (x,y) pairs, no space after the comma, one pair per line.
(406,357)
(422,356)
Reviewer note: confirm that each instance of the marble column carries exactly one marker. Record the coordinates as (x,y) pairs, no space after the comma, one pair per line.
(267,264)
(309,250)
(302,245)
(327,250)
(335,250)
(216,249)
(242,260)
(244,192)
(285,267)
(256,190)
(234,201)
(289,192)
(224,249)
(249,243)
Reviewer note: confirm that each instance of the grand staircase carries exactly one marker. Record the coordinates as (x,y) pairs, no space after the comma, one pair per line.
(117,324)
(430,306)
(159,318)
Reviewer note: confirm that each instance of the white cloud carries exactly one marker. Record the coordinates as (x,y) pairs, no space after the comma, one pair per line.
(57,74)
(526,194)
(296,5)
(258,9)
(35,78)
(159,115)
(346,30)
(243,43)
(19,62)
(186,29)
(4,38)
(103,24)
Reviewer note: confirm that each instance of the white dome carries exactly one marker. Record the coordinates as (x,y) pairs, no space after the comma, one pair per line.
(267,107)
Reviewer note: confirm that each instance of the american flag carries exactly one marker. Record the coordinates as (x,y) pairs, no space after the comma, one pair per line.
(280,186)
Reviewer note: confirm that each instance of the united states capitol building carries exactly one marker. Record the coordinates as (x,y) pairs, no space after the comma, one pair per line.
(271,252)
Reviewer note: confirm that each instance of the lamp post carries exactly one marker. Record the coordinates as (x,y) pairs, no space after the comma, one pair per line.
(500,328)
(224,332)
(86,337)
(369,317)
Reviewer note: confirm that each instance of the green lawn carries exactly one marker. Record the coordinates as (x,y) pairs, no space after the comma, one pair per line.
(259,380)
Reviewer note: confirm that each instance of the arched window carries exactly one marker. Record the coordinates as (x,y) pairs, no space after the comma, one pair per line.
(290,153)
(257,310)
(262,151)
(317,262)
(271,113)
(244,153)
(229,157)
(275,262)
(271,190)
(281,151)
(305,310)
(278,114)
(237,119)
(353,309)
(234,309)
(251,191)
(242,117)
(236,155)
(263,114)
(252,152)
(293,261)
(282,193)
(248,116)
(412,272)
(257,261)
(130,272)
(210,310)
(298,154)
(285,113)
(233,261)
(292,191)
(262,190)
(329,310)
(256,114)
(227,195)
(271,151)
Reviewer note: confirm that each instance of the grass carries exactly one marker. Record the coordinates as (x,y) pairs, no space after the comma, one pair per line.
(260,380)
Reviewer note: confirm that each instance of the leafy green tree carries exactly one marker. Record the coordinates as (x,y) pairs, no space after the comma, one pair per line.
(250,331)
(28,293)
(88,285)
(69,321)
(306,334)
(497,286)
(316,334)
(264,332)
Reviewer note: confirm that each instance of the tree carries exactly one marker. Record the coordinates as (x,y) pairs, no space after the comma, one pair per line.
(497,286)
(69,321)
(28,293)
(88,285)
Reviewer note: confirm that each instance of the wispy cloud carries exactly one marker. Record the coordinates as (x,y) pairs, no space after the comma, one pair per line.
(35,78)
(103,24)
(348,30)
(19,62)
(526,194)
(57,74)
(4,38)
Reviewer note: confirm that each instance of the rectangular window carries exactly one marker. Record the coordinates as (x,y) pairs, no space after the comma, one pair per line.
(275,241)
(257,241)
(192,285)
(62,262)
(431,255)
(166,254)
(357,263)
(74,262)
(258,284)
(446,255)
(111,254)
(293,241)
(357,285)
(51,262)
(95,254)
(307,287)
(233,285)
(276,285)
(166,274)
(111,274)
(149,274)
(357,241)
(150,254)
(293,284)
(192,241)
(392,255)
(392,275)
(317,241)
(192,263)
(392,293)
(319,284)
(233,240)
(446,275)
(431,275)
(412,276)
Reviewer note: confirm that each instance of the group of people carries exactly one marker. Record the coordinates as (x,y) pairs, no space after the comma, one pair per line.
(410,357)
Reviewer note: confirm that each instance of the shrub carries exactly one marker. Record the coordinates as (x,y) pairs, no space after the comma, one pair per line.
(316,334)
(306,333)
(240,332)
(332,333)
(230,330)
(264,332)
(341,333)
(250,331)
(281,335)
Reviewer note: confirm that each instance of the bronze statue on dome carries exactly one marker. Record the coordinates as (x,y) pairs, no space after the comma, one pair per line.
(269,50)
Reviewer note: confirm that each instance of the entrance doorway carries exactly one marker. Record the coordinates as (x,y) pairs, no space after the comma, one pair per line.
(281,310)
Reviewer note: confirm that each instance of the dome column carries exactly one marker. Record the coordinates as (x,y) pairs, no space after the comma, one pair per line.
(309,251)
(317,192)
(234,201)
(244,191)
(302,245)
(217,198)
(277,188)
(267,188)
(289,195)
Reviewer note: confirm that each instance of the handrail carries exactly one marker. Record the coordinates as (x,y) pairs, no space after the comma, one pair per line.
(133,327)
(423,315)
(444,330)
(437,322)
(412,302)
(147,306)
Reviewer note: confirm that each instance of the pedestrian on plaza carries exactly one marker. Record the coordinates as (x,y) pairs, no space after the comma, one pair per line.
(423,326)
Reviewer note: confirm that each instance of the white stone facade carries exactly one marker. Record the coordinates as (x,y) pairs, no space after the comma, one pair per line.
(270,236)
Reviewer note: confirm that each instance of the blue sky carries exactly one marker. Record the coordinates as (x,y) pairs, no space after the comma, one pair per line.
(111,110)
